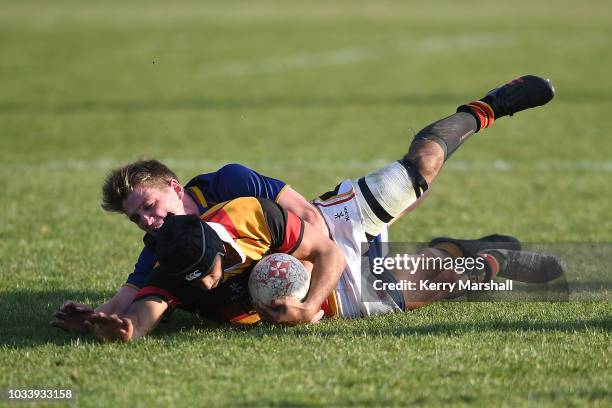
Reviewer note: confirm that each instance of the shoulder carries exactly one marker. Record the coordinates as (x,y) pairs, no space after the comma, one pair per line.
(233,169)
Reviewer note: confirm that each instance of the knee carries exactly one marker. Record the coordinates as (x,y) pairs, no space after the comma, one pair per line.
(429,167)
(428,158)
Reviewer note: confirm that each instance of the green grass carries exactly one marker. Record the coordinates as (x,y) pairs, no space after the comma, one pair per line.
(311,93)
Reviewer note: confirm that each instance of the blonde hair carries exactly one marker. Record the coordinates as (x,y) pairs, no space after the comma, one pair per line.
(121,181)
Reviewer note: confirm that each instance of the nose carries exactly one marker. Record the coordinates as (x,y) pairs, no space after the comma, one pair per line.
(206,284)
(146,221)
(203,283)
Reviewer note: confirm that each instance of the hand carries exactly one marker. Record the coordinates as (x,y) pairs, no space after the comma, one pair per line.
(110,328)
(72,316)
(288,311)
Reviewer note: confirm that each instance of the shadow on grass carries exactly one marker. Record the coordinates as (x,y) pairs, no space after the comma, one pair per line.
(26,314)
(578,325)
(25,317)
(441,328)
(397,326)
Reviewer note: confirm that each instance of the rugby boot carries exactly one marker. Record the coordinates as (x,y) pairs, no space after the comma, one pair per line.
(522,93)
(471,247)
(519,94)
(523,266)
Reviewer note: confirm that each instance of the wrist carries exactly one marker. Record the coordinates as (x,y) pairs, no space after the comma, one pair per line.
(311,308)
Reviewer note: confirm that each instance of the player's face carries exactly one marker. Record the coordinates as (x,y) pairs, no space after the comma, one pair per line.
(147,206)
(213,279)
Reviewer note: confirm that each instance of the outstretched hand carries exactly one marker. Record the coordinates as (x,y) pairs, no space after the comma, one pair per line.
(288,311)
(71,316)
(109,328)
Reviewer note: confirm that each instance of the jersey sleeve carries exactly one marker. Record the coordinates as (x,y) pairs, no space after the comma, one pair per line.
(235,180)
(142,268)
(166,296)
(156,284)
(286,228)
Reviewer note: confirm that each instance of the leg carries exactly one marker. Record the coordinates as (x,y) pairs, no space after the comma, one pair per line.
(389,193)
(432,281)
(433,145)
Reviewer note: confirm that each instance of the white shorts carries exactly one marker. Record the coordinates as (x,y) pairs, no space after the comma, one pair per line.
(343,216)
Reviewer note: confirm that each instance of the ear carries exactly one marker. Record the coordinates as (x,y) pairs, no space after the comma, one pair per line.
(178,189)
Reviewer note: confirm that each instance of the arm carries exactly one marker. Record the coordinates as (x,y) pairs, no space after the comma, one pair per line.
(293,201)
(119,303)
(235,180)
(124,297)
(328,265)
(141,318)
(72,316)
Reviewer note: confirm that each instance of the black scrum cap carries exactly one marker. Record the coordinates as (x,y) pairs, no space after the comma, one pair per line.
(187,247)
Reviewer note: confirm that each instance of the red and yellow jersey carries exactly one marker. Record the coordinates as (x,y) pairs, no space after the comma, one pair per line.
(258,227)
(229,182)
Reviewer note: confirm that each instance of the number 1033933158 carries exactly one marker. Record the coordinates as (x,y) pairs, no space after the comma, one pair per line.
(27,394)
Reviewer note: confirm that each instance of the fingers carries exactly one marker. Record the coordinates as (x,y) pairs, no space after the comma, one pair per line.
(276,302)
(318,316)
(60,315)
(126,323)
(69,306)
(99,318)
(267,313)
(102,326)
(58,324)
(103,320)
(287,311)
(96,330)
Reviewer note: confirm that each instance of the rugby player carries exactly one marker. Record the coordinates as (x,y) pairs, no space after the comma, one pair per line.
(146,191)
(382,196)
(366,206)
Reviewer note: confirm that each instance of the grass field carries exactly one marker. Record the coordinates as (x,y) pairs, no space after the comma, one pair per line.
(310,92)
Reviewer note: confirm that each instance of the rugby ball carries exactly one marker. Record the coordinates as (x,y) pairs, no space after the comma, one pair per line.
(278,276)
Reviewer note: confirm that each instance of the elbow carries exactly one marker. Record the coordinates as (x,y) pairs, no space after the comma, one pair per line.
(342,259)
(337,258)
(314,218)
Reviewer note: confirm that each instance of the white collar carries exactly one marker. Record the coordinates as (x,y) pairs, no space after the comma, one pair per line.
(227,238)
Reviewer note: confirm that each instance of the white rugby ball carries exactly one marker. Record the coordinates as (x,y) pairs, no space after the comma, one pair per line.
(278,276)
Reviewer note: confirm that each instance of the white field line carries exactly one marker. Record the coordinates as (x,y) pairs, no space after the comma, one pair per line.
(339,166)
(353,55)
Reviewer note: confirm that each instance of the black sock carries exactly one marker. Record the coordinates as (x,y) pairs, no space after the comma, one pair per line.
(450,132)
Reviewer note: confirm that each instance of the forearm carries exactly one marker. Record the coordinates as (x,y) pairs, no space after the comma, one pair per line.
(312,216)
(145,316)
(326,272)
(293,201)
(141,317)
(328,265)
(120,303)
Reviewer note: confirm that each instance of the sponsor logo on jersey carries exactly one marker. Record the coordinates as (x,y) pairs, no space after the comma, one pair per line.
(193,275)
(343,214)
